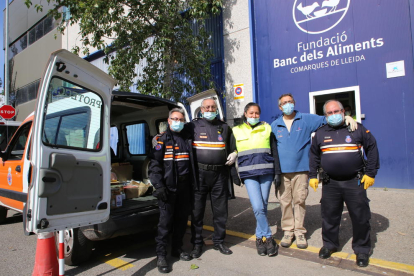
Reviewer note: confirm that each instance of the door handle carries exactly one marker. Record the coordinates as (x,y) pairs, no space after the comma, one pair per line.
(48,179)
(18,168)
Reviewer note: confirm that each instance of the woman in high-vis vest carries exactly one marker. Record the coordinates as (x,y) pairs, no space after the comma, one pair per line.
(258,162)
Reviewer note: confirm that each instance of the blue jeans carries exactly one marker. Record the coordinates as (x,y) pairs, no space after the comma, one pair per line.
(258,188)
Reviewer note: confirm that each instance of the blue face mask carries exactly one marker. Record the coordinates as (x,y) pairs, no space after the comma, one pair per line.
(176,126)
(209,115)
(288,108)
(253,121)
(335,120)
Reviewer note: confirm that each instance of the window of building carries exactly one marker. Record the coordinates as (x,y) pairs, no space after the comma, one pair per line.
(35,33)
(24,94)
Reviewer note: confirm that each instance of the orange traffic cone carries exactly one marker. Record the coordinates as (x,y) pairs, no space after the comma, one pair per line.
(46,259)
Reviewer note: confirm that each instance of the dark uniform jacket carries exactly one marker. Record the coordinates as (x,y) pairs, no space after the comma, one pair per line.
(163,167)
(336,151)
(212,143)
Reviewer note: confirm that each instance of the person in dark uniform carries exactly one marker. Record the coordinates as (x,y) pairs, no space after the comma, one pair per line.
(213,153)
(171,170)
(346,177)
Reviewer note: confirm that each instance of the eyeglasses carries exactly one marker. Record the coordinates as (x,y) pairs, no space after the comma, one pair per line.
(209,107)
(178,120)
(333,112)
(283,103)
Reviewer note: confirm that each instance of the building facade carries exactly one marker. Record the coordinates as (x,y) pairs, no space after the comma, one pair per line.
(359,52)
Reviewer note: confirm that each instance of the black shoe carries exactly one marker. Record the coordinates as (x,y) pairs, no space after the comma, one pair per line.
(162,264)
(362,260)
(180,253)
(325,253)
(197,251)
(261,247)
(272,247)
(223,249)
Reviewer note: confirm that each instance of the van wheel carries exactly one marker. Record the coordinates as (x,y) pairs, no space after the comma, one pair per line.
(77,247)
(3,214)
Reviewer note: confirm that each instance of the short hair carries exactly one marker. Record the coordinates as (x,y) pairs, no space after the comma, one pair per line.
(339,103)
(176,109)
(211,98)
(285,95)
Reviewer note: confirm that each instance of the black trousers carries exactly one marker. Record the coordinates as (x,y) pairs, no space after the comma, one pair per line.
(334,194)
(174,217)
(215,184)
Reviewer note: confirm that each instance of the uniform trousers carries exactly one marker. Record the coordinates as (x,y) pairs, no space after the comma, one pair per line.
(174,216)
(334,194)
(214,184)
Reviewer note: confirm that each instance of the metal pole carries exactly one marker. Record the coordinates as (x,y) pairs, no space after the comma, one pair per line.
(61,253)
(6,57)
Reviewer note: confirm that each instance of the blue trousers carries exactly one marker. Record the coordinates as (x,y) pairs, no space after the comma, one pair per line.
(258,188)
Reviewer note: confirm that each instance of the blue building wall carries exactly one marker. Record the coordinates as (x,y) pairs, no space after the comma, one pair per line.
(388,103)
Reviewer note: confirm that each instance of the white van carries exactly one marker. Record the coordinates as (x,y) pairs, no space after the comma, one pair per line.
(61,179)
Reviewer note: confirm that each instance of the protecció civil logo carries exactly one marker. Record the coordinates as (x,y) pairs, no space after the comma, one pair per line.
(320,16)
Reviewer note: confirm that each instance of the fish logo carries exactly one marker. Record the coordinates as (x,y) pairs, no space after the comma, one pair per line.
(319,17)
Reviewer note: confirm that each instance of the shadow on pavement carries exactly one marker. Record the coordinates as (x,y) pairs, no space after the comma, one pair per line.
(241,219)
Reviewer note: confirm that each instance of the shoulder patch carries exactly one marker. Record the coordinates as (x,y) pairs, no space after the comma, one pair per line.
(158,146)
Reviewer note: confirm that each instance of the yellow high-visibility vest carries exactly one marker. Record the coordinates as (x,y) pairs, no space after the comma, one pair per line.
(254,140)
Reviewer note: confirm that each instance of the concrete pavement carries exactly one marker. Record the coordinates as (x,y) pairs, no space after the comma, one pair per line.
(392,222)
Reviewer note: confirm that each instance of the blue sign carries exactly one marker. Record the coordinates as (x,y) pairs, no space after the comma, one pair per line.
(307,46)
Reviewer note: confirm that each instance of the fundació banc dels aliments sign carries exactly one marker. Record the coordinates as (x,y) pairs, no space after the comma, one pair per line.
(304,46)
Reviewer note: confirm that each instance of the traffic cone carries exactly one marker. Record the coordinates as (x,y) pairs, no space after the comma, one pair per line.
(46,259)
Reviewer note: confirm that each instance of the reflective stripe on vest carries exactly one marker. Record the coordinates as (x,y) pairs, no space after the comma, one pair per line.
(256,167)
(247,152)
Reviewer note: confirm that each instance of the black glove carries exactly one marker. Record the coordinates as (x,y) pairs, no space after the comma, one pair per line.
(161,194)
(237,181)
(278,180)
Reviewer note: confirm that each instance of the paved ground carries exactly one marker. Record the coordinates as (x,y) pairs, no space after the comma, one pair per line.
(392,218)
(392,222)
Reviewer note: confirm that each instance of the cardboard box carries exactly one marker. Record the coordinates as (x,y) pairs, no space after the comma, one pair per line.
(123,171)
(135,189)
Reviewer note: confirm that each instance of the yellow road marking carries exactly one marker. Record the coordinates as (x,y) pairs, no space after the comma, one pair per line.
(372,261)
(119,264)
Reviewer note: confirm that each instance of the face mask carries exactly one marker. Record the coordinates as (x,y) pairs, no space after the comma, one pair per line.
(210,115)
(335,120)
(347,113)
(176,126)
(253,121)
(288,108)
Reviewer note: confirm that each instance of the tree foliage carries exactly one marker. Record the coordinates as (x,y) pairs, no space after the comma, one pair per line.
(157,33)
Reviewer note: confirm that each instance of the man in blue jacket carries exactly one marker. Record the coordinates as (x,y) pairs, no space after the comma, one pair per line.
(293,134)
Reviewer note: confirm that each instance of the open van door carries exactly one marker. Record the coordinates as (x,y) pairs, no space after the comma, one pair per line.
(70,156)
(195,103)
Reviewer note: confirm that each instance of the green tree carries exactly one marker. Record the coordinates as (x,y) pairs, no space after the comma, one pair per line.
(156,32)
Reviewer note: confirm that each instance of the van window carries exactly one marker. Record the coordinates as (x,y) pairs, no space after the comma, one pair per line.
(73,116)
(113,140)
(6,132)
(19,142)
(138,138)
